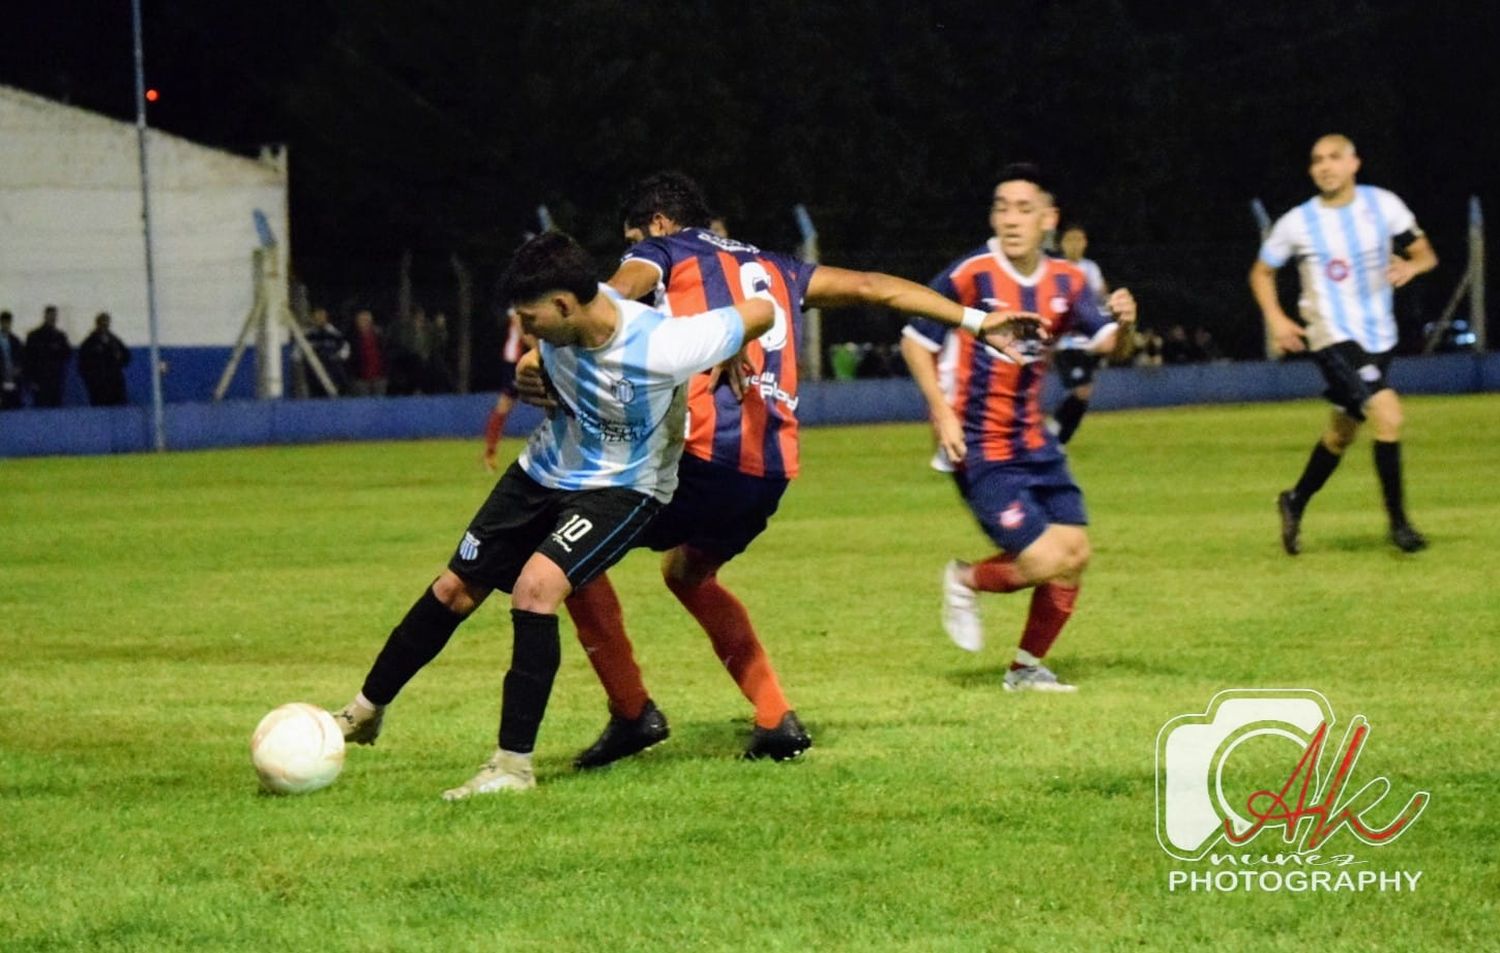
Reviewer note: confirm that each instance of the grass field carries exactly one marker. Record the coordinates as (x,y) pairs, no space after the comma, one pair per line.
(153,608)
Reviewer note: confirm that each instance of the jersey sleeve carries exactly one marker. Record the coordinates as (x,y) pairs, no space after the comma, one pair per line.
(1086,318)
(925,331)
(1280,245)
(681,347)
(1399,219)
(652,251)
(798,274)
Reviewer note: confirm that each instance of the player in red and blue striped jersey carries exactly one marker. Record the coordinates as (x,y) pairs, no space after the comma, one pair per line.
(738,458)
(986,410)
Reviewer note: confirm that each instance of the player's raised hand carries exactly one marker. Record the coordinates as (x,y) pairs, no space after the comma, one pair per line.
(1014,335)
(1121,304)
(531,382)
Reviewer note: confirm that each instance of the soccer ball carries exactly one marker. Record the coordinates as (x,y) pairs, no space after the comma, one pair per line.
(296,749)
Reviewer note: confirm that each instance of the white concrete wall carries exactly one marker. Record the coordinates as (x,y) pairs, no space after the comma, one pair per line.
(70,225)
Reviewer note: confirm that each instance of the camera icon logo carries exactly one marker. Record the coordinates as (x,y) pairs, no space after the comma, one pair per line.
(1255,761)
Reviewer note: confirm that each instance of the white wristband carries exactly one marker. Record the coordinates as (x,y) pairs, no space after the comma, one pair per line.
(973,321)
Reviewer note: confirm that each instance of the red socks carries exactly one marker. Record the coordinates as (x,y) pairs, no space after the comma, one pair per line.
(998,574)
(1051,607)
(728,626)
(601,630)
(492,429)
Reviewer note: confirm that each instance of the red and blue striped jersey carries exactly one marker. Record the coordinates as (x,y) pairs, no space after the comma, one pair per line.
(999,402)
(701,271)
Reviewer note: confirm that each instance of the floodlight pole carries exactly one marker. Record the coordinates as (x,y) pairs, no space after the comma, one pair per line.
(158,417)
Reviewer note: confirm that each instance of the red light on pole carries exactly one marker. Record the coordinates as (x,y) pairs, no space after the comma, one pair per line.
(152,95)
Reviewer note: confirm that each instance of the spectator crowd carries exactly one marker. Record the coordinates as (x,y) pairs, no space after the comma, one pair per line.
(34,372)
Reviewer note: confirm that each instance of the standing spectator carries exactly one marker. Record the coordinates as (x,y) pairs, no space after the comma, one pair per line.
(1205,348)
(439,374)
(11,354)
(101,362)
(332,348)
(1177,349)
(47,355)
(410,345)
(369,356)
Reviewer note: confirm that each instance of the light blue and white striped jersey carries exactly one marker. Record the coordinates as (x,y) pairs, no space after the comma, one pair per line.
(1342,254)
(622,408)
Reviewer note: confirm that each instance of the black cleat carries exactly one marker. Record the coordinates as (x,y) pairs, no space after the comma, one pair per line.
(1291,522)
(623,737)
(1407,539)
(782,743)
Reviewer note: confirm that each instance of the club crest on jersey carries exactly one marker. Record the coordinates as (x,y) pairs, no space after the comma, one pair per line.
(1059,305)
(623,390)
(1012,516)
(468,550)
(1337,270)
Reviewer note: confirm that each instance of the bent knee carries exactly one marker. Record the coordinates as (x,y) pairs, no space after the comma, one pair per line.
(458,595)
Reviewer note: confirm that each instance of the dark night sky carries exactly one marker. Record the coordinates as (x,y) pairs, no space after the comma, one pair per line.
(438,125)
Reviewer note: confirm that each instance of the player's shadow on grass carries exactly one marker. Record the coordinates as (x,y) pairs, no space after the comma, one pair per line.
(1069,670)
(1357,543)
(690,741)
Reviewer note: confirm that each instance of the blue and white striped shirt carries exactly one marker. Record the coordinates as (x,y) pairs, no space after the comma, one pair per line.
(621,407)
(1342,254)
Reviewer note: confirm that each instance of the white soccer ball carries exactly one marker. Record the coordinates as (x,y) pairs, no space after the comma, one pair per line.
(296,749)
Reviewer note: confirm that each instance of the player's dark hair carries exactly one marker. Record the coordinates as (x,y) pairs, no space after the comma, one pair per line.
(1073,227)
(672,194)
(1026,172)
(552,261)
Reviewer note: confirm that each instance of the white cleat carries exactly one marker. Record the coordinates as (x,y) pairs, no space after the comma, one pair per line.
(360,723)
(961,610)
(505,771)
(1035,678)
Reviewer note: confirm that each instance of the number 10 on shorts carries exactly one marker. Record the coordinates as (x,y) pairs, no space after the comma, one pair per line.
(576,528)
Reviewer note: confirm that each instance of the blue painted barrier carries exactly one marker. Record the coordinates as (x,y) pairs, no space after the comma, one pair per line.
(233,423)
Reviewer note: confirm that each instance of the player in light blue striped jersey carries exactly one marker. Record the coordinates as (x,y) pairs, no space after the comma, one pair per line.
(1353,244)
(591,478)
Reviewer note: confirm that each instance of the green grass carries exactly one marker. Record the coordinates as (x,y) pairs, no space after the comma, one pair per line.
(153,608)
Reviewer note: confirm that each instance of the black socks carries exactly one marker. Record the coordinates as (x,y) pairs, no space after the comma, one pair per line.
(412,644)
(1069,415)
(1388,465)
(536,655)
(1320,467)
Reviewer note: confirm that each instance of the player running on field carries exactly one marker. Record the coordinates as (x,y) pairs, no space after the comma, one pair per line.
(1353,244)
(739,456)
(591,477)
(1073,357)
(989,421)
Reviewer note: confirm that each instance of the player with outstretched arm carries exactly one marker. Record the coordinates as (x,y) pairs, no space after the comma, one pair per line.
(590,479)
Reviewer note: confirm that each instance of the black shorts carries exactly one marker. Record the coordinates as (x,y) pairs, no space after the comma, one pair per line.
(1075,367)
(583,531)
(716,509)
(1353,375)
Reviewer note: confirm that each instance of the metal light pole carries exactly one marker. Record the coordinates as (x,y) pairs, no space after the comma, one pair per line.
(158,421)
